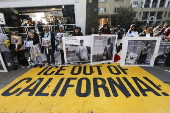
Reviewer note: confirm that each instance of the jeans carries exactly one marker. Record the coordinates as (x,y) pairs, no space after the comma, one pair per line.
(50,53)
(38,59)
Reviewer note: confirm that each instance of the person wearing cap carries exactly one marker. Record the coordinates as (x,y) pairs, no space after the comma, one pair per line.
(77,32)
(19,51)
(51,49)
(82,51)
(5,51)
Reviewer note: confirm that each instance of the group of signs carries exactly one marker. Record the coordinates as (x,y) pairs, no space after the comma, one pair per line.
(98,49)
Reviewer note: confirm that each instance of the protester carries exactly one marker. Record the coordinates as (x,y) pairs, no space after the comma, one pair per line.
(157,30)
(35,51)
(105,29)
(132,32)
(49,50)
(167,34)
(147,32)
(19,51)
(77,32)
(5,51)
(93,31)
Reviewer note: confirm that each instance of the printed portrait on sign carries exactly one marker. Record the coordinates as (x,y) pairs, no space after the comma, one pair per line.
(103,48)
(163,56)
(139,52)
(46,41)
(16,39)
(28,43)
(78,49)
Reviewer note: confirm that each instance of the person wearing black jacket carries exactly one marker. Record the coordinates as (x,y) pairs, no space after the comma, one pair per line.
(51,49)
(77,32)
(147,32)
(35,49)
(19,51)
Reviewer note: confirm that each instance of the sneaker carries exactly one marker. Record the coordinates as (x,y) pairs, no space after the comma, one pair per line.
(22,67)
(46,65)
(28,66)
(52,64)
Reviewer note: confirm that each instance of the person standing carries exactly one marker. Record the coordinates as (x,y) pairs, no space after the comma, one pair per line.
(20,52)
(5,51)
(132,32)
(35,52)
(147,32)
(51,49)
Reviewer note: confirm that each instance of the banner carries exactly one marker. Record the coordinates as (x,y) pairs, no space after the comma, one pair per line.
(104,47)
(139,51)
(163,55)
(2,65)
(107,88)
(77,49)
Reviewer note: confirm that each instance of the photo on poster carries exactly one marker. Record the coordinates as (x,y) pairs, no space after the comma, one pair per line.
(103,48)
(46,41)
(28,43)
(163,55)
(139,52)
(77,49)
(2,65)
(16,39)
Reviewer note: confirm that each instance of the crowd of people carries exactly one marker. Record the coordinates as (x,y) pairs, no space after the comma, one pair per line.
(37,48)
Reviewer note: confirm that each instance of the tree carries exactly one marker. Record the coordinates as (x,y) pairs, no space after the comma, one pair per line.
(125,17)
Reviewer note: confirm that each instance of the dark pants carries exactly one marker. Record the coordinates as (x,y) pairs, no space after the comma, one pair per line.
(62,56)
(21,58)
(6,55)
(50,55)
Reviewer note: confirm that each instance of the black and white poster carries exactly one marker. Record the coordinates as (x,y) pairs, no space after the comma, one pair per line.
(77,49)
(163,55)
(139,51)
(46,41)
(104,47)
(2,65)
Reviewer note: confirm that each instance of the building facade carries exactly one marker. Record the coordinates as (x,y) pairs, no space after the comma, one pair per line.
(152,12)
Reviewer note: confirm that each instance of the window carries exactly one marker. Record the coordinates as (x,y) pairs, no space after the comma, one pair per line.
(101,10)
(154,3)
(165,13)
(169,14)
(102,0)
(118,0)
(135,4)
(168,3)
(159,15)
(162,3)
(147,2)
(116,9)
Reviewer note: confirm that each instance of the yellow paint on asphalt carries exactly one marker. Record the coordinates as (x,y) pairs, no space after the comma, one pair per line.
(109,88)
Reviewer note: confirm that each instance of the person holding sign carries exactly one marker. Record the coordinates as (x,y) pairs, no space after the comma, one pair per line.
(50,49)
(19,50)
(5,51)
(35,49)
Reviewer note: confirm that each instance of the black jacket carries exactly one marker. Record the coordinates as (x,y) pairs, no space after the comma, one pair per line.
(52,41)
(143,34)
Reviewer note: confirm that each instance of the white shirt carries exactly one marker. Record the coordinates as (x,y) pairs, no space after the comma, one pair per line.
(148,35)
(82,51)
(132,34)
